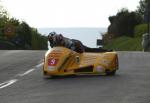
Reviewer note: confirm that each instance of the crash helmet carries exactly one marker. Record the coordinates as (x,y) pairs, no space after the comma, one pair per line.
(52,33)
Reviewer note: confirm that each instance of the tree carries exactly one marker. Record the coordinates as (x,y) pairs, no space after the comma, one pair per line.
(3,19)
(22,37)
(123,23)
(39,41)
(24,32)
(141,7)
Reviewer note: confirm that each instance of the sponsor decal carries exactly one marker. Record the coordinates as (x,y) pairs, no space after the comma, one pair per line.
(51,68)
(99,69)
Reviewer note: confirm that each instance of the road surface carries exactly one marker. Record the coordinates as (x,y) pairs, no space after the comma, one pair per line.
(21,81)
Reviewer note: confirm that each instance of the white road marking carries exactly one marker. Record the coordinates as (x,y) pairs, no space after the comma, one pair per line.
(39,65)
(10,82)
(7,83)
(25,73)
(30,70)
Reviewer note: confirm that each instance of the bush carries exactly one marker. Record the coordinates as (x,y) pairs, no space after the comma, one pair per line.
(123,23)
(140,30)
(5,45)
(38,42)
(124,43)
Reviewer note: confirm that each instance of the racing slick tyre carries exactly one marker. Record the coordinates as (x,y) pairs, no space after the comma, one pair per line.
(50,77)
(110,73)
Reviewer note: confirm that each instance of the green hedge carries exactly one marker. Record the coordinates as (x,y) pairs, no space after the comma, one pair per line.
(140,30)
(5,45)
(125,44)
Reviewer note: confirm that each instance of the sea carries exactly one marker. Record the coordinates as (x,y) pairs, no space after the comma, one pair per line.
(88,36)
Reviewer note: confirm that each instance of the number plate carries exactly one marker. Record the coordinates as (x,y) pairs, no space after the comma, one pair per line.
(52,62)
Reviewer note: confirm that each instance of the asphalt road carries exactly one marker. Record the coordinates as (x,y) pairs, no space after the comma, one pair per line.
(21,81)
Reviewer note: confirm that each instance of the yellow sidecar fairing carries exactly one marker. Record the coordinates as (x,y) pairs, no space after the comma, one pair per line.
(61,61)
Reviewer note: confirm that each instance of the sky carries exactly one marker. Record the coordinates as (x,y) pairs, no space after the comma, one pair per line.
(66,13)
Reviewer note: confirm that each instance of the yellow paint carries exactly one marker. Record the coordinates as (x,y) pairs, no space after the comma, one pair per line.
(63,61)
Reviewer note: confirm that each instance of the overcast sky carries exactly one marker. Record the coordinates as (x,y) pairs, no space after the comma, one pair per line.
(67,13)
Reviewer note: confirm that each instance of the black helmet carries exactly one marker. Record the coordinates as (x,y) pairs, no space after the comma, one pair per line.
(52,33)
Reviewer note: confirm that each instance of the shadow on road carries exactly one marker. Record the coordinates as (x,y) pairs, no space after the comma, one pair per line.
(80,76)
